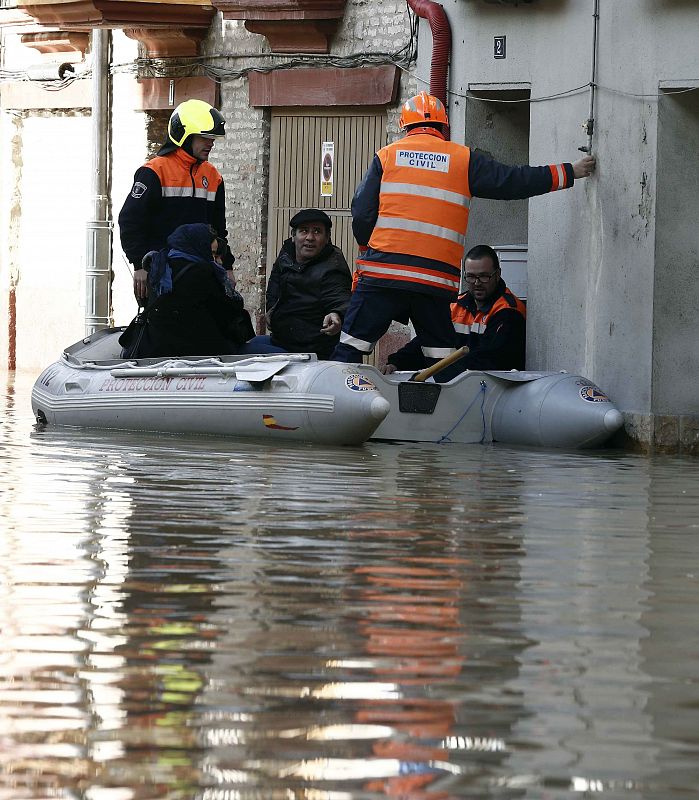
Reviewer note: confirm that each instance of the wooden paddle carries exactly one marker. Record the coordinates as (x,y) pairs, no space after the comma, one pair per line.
(424,374)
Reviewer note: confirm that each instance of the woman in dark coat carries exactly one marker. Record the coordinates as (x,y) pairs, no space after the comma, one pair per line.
(192,308)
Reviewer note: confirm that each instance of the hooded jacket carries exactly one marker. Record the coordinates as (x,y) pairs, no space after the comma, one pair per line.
(195,312)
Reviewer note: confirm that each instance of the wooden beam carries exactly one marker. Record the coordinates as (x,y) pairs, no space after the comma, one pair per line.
(87,14)
(331,86)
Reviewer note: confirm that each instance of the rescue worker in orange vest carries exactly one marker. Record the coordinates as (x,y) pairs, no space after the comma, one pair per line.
(487,318)
(177,187)
(411,213)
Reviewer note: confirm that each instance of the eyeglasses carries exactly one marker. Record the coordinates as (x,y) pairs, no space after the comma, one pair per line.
(482,278)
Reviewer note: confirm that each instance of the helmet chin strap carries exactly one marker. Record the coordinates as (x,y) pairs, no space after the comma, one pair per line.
(187,146)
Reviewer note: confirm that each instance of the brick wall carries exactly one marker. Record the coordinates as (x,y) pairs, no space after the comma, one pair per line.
(243,157)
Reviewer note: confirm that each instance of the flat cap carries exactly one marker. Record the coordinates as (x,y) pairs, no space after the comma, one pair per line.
(310,215)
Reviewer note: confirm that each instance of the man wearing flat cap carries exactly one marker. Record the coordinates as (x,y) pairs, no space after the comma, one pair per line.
(308,290)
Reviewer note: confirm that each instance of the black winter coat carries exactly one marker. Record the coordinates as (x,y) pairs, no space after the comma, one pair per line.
(196,318)
(300,295)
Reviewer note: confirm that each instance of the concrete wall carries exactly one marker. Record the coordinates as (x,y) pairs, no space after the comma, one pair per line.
(497,122)
(675,317)
(599,300)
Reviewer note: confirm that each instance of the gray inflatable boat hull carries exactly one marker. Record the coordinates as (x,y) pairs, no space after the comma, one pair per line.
(536,409)
(297,397)
(280,397)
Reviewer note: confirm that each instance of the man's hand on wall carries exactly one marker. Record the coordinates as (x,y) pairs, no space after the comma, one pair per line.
(584,167)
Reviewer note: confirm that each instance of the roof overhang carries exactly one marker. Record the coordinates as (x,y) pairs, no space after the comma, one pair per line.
(87,14)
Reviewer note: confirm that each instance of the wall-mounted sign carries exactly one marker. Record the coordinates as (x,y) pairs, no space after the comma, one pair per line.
(499,45)
(327,167)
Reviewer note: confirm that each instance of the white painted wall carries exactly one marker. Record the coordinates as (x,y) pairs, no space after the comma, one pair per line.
(49,259)
(45,203)
(594,260)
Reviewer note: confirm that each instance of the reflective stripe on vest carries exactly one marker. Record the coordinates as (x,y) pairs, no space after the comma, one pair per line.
(424,199)
(465,322)
(421,227)
(465,328)
(426,191)
(181,175)
(559,178)
(187,191)
(409,273)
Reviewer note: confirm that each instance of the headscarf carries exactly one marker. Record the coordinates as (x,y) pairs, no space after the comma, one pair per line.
(190,243)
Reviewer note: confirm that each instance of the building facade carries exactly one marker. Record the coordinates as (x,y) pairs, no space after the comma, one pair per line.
(607,267)
(612,264)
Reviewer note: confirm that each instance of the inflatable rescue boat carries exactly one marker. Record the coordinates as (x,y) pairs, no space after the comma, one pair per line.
(534,409)
(292,396)
(295,396)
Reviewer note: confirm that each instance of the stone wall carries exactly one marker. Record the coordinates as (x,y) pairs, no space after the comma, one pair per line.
(243,157)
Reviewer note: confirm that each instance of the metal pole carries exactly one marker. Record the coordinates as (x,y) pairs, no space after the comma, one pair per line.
(590,122)
(98,258)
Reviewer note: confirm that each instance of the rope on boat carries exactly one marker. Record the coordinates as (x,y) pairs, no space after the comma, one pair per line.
(481,394)
(170,366)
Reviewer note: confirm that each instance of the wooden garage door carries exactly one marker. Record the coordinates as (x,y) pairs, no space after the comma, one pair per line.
(297,139)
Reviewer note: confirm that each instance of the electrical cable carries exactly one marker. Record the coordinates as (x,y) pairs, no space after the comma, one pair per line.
(402,58)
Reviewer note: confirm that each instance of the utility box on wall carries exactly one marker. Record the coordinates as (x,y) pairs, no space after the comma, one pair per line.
(513,264)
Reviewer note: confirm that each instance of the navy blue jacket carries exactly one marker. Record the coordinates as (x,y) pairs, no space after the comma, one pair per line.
(487,178)
(147,218)
(500,346)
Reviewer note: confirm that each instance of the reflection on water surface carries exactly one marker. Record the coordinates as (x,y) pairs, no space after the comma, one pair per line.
(198,618)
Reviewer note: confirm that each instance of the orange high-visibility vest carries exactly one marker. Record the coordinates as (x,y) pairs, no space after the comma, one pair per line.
(465,322)
(181,175)
(424,200)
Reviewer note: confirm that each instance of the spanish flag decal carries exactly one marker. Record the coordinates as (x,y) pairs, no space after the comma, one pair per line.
(272,423)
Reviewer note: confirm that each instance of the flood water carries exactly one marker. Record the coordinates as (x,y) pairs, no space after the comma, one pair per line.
(205,618)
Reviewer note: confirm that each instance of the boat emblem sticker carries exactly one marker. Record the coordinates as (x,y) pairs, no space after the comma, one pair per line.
(358,383)
(593,395)
(271,422)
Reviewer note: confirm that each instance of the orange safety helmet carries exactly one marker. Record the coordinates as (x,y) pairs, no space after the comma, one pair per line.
(421,109)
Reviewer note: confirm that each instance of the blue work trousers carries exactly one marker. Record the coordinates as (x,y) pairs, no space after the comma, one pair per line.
(371,310)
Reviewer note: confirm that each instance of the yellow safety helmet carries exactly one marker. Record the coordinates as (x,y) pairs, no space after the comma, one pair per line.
(194,118)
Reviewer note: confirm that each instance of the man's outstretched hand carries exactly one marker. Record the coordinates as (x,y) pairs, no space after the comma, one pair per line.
(584,167)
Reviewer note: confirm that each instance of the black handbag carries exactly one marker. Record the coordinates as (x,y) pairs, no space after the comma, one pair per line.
(130,339)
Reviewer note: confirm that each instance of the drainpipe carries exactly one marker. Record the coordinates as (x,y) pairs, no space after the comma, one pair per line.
(441,44)
(98,257)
